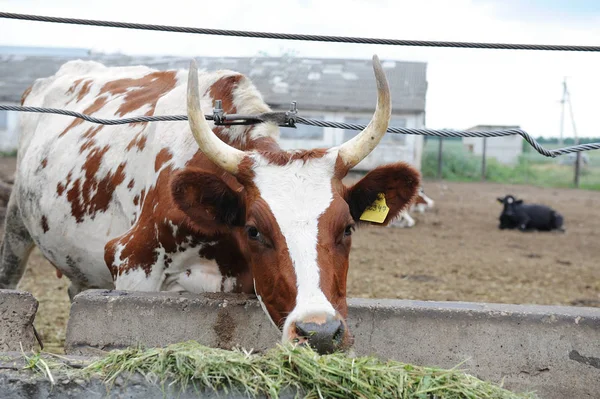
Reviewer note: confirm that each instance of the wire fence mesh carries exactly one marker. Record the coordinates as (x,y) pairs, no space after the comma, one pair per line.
(467,161)
(444,133)
(452,157)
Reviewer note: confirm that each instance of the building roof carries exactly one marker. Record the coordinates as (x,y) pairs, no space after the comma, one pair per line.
(315,84)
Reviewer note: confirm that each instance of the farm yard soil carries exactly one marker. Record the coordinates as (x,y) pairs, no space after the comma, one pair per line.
(457,253)
(454,253)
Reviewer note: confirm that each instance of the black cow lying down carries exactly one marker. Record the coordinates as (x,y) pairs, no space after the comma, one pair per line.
(526,217)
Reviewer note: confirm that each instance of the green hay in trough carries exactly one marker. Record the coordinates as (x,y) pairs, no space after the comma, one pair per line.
(328,376)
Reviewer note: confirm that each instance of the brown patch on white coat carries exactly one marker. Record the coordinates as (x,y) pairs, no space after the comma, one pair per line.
(91,194)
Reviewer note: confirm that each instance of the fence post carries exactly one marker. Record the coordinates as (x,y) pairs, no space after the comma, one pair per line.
(439,171)
(577,168)
(483,166)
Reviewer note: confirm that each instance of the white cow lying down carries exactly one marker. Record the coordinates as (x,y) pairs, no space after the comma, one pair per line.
(420,204)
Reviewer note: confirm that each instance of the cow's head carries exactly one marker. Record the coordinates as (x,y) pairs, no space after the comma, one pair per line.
(422,202)
(509,203)
(293,218)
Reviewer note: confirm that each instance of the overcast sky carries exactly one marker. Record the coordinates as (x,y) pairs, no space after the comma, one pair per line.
(466,87)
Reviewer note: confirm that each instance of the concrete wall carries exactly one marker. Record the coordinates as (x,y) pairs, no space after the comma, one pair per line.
(111,319)
(16,382)
(553,350)
(17,311)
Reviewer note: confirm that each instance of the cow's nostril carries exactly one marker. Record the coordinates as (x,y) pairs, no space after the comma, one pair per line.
(339,334)
(302,330)
(324,338)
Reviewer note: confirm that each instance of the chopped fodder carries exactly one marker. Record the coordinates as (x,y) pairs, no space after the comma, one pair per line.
(291,367)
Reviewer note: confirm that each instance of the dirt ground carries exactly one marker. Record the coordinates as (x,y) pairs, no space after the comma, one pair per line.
(454,253)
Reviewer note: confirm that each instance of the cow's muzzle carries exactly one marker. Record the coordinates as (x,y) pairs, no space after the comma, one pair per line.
(324,336)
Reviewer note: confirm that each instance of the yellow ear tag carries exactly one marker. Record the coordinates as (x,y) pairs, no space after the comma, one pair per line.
(377,211)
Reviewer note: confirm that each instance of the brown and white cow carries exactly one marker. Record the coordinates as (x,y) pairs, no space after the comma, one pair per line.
(420,203)
(192,207)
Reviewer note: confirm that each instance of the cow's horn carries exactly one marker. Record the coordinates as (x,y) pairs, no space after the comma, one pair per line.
(355,150)
(217,151)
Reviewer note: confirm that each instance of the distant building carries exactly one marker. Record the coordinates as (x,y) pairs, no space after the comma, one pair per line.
(45,51)
(340,90)
(506,150)
(14,80)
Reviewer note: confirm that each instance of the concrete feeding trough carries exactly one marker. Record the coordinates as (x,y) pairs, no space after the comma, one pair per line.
(17,311)
(553,350)
(18,383)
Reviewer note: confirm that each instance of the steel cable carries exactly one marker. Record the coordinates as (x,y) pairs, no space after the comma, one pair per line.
(292,36)
(314,122)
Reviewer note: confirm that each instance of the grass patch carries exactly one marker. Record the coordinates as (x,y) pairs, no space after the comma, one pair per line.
(329,376)
(8,154)
(532,168)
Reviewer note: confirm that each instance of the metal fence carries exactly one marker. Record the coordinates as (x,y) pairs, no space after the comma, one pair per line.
(476,159)
(486,159)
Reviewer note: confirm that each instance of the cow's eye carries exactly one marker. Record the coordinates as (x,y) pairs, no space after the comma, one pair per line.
(349,230)
(253,233)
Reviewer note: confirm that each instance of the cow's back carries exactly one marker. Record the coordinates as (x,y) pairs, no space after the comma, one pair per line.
(541,216)
(80,184)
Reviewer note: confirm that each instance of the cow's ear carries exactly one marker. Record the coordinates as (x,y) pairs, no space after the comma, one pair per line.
(517,202)
(212,204)
(398,182)
(500,200)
